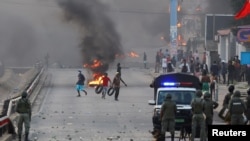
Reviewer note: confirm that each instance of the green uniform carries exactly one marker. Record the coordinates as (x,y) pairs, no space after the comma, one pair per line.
(227,99)
(168,111)
(198,118)
(24,110)
(236,109)
(209,106)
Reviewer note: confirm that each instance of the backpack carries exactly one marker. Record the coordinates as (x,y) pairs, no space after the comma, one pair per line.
(184,68)
(198,106)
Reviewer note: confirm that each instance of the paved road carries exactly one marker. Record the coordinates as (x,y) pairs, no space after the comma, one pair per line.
(63,116)
(59,115)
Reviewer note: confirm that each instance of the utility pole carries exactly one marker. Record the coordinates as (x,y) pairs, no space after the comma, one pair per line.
(173,26)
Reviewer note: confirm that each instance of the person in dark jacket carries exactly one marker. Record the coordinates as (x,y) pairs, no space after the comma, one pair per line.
(247,113)
(24,110)
(214,70)
(236,109)
(223,71)
(209,106)
(119,68)
(231,70)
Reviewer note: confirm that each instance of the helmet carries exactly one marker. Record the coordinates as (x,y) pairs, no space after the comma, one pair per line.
(237,94)
(198,93)
(24,94)
(207,95)
(248,91)
(169,96)
(231,88)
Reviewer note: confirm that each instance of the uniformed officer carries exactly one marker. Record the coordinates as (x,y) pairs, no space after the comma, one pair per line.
(236,109)
(198,118)
(248,106)
(209,106)
(167,115)
(226,100)
(228,96)
(24,110)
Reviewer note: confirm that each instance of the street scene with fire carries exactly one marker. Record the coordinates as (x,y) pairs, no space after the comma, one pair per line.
(124,70)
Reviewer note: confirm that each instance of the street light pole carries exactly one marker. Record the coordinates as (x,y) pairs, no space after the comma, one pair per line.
(173,26)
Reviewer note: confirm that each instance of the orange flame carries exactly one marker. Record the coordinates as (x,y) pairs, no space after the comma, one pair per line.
(96,63)
(97,80)
(133,54)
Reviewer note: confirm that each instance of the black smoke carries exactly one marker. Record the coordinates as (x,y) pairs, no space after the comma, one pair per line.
(100,40)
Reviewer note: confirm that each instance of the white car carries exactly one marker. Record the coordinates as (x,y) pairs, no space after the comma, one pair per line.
(182,88)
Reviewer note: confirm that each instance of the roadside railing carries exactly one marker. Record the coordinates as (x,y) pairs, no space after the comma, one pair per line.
(6,125)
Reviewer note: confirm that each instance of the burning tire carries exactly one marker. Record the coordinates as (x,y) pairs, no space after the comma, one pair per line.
(111,91)
(98,89)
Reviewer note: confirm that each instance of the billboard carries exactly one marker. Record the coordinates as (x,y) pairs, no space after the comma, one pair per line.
(245,58)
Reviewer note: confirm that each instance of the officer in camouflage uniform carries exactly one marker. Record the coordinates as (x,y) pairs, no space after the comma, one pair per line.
(236,109)
(167,115)
(24,110)
(198,118)
(228,96)
(248,106)
(209,106)
(226,100)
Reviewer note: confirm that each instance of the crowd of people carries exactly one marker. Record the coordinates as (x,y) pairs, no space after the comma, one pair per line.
(220,71)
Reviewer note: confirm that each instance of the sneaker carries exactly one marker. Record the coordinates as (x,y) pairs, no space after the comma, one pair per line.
(116,99)
(78,95)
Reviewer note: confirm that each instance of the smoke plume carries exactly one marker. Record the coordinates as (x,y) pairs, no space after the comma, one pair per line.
(100,40)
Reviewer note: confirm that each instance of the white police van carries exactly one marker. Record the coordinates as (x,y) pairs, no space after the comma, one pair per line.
(182,87)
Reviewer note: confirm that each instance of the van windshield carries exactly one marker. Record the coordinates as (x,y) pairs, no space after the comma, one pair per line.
(180,97)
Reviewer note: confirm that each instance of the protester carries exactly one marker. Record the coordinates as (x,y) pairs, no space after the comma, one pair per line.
(80,83)
(205,81)
(105,84)
(116,84)
(145,60)
(119,68)
(184,66)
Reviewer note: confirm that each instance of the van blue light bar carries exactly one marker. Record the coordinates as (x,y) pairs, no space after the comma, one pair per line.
(177,84)
(171,84)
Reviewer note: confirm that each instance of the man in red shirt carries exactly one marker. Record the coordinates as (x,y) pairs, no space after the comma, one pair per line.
(105,80)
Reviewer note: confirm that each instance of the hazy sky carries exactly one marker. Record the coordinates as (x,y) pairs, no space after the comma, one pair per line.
(29,29)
